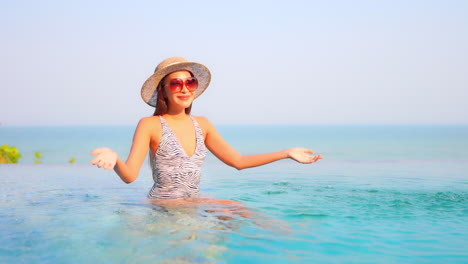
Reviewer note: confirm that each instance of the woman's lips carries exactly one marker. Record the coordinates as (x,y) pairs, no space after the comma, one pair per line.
(185,98)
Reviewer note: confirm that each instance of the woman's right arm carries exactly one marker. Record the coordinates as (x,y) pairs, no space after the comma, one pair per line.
(128,171)
(226,153)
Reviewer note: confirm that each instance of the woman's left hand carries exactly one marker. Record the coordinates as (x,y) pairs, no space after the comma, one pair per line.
(303,155)
(106,158)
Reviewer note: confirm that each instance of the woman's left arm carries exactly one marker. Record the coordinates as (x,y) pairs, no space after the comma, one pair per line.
(226,153)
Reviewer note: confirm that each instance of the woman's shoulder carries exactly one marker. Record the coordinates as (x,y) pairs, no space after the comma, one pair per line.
(149,123)
(149,119)
(204,122)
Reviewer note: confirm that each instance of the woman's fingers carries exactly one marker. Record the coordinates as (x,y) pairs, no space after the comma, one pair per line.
(105,158)
(316,158)
(309,151)
(96,151)
(99,151)
(95,161)
(105,165)
(303,155)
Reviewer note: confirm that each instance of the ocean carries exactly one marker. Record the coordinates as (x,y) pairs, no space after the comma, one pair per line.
(383,194)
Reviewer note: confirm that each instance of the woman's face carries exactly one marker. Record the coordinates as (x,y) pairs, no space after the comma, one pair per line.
(182,97)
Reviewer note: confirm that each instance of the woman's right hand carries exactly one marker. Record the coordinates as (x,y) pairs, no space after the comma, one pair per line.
(106,158)
(303,155)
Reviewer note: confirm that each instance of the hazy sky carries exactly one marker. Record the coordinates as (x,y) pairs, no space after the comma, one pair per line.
(273,62)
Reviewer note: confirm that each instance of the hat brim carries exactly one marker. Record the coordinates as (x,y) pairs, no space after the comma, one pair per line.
(199,71)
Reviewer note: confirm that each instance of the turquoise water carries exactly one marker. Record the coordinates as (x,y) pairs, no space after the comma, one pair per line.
(384,194)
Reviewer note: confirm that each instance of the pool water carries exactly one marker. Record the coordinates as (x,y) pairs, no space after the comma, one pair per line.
(338,212)
(390,199)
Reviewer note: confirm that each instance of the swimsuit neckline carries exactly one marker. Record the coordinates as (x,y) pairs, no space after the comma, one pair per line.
(177,139)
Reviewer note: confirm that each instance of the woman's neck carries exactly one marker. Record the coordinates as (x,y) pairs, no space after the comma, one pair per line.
(176,115)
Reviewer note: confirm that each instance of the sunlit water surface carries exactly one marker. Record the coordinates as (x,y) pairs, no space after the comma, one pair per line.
(374,199)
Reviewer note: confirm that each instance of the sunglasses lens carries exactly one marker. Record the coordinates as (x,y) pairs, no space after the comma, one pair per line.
(192,84)
(176,85)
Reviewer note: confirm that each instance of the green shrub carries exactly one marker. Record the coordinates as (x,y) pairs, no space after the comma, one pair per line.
(12,155)
(38,158)
(9,154)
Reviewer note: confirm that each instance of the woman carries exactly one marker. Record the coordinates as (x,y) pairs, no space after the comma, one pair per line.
(178,142)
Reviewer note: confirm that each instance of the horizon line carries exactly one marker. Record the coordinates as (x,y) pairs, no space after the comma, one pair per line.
(252,124)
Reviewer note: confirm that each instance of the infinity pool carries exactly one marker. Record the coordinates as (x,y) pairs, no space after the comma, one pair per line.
(338,212)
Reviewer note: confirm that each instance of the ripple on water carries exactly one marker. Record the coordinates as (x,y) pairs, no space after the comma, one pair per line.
(274,192)
(307,215)
(400,203)
(282,183)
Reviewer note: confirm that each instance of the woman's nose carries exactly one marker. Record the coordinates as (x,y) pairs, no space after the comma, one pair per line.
(184,88)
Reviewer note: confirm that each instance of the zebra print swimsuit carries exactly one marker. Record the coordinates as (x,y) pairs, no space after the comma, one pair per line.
(175,174)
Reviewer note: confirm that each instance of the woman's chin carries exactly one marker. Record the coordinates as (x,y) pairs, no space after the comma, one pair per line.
(184,103)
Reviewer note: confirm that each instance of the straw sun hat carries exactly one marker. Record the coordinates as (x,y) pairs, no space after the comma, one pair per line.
(170,65)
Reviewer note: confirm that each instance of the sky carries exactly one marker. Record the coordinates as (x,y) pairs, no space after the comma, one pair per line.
(272,62)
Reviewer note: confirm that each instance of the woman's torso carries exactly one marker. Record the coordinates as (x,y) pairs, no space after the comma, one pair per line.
(177,157)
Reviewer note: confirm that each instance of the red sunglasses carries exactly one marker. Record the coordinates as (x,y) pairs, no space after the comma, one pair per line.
(177,84)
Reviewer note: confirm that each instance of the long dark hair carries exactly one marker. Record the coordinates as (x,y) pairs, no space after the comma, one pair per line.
(162,104)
